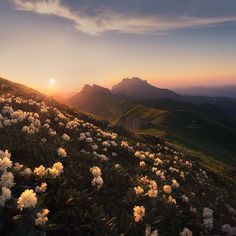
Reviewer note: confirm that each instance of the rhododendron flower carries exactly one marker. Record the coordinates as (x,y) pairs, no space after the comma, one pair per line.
(96,171)
(6,195)
(97,180)
(138,190)
(167,189)
(27,199)
(186,232)
(208,218)
(175,184)
(61,152)
(5,161)
(185,198)
(149,232)
(153,189)
(56,169)
(139,213)
(42,188)
(7,180)
(171,200)
(66,137)
(42,218)
(142,164)
(40,171)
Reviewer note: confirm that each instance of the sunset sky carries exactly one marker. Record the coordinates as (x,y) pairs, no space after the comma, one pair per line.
(63,44)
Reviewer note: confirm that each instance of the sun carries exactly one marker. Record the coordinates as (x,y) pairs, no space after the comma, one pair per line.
(51,81)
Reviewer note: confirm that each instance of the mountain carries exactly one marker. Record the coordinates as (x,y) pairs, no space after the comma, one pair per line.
(170,120)
(142,92)
(217,91)
(137,90)
(102,102)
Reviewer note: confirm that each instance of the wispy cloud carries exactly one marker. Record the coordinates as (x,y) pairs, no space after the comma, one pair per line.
(105,21)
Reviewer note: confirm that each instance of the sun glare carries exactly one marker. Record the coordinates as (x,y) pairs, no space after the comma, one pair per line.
(52,81)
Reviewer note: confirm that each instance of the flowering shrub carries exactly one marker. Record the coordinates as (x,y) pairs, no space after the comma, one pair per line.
(67,173)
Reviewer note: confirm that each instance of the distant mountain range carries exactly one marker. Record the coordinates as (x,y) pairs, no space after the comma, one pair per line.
(200,124)
(221,91)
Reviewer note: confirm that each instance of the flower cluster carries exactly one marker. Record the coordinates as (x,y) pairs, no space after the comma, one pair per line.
(208,218)
(97,176)
(53,172)
(139,213)
(42,218)
(27,199)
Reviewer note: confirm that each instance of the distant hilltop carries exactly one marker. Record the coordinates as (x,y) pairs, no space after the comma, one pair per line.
(137,89)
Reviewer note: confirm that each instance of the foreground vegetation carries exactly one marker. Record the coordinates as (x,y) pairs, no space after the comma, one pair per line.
(66,173)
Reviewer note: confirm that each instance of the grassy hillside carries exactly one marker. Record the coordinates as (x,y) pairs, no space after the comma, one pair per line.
(63,172)
(101,102)
(210,139)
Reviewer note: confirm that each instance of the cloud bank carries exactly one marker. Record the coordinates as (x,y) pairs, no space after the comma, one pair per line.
(108,20)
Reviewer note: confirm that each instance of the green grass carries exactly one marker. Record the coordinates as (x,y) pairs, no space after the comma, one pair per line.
(214,144)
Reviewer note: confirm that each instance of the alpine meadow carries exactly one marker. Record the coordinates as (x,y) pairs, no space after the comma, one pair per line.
(117,118)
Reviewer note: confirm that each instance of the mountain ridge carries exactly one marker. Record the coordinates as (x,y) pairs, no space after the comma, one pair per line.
(137,89)
(158,121)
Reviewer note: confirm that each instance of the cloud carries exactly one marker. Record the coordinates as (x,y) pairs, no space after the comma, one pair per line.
(108,20)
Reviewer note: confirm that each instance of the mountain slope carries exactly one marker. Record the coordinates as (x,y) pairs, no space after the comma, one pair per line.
(138,90)
(67,173)
(211,140)
(101,102)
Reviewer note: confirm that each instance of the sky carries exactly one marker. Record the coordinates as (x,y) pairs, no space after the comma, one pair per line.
(60,45)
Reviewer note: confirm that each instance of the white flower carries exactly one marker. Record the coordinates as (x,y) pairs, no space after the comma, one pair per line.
(171,200)
(5,162)
(207,212)
(208,223)
(149,232)
(61,152)
(208,218)
(186,232)
(66,137)
(40,171)
(56,169)
(138,190)
(41,188)
(42,218)
(117,166)
(5,154)
(167,189)
(7,180)
(175,184)
(6,195)
(185,198)
(139,213)
(97,180)
(52,132)
(18,166)
(152,192)
(27,171)
(137,154)
(142,164)
(27,199)
(96,171)
(82,136)
(226,228)
(89,140)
